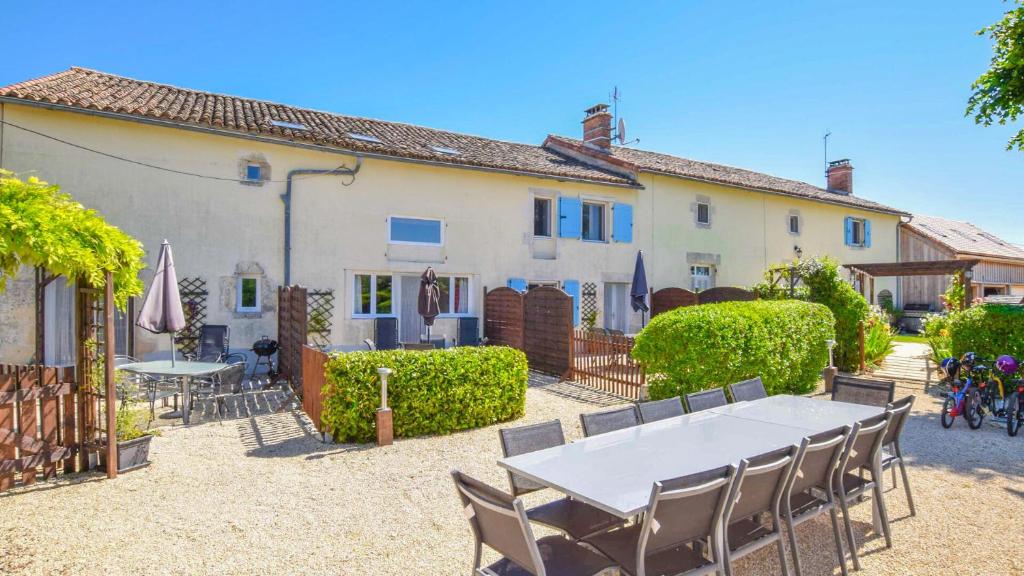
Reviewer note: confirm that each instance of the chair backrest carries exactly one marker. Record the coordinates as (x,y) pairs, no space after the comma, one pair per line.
(385,333)
(609,420)
(370,345)
(530,438)
(866,391)
(752,389)
(213,342)
(817,459)
(468,331)
(499,521)
(660,409)
(760,482)
(229,379)
(706,399)
(900,411)
(684,509)
(864,442)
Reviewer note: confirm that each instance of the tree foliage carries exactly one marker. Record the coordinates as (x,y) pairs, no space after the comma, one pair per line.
(998,94)
(42,226)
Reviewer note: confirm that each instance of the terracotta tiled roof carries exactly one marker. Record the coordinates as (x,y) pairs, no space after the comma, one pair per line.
(107,93)
(964,237)
(644,160)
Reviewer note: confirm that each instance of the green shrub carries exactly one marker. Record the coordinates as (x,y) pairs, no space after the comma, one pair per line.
(936,331)
(700,347)
(989,330)
(825,286)
(429,392)
(878,337)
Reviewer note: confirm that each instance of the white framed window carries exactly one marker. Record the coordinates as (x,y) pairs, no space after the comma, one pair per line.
(793,223)
(247,295)
(593,221)
(542,217)
(539,283)
(703,213)
(702,277)
(373,295)
(857,232)
(406,230)
(455,295)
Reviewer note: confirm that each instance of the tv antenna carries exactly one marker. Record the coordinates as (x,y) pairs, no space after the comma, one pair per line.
(825,139)
(620,124)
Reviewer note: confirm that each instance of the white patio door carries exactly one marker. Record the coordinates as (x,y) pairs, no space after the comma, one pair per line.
(616,306)
(410,323)
(59,323)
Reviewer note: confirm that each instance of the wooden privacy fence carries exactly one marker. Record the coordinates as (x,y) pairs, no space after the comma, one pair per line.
(604,362)
(42,423)
(538,322)
(313,380)
(671,298)
(292,326)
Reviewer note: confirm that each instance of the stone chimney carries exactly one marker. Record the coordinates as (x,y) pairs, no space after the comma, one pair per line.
(597,128)
(840,176)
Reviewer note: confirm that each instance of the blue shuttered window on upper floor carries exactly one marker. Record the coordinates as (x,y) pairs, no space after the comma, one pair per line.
(572,288)
(857,232)
(622,222)
(517,284)
(569,216)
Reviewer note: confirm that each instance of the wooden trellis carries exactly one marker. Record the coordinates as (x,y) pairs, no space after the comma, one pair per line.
(588,300)
(194,297)
(320,317)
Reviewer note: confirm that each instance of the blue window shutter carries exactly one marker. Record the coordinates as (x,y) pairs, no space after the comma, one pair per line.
(517,284)
(849,231)
(622,222)
(867,233)
(569,217)
(572,288)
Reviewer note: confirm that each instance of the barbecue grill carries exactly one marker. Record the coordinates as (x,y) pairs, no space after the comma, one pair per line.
(264,349)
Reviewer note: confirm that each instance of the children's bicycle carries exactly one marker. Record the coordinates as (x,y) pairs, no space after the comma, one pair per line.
(1015,409)
(962,398)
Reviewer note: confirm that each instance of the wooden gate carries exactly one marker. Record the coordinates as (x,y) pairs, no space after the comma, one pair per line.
(313,380)
(292,326)
(503,317)
(547,330)
(604,362)
(39,423)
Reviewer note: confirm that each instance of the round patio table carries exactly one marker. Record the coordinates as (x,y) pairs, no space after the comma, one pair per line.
(183,369)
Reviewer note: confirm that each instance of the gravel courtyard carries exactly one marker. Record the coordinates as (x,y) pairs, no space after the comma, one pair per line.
(264,496)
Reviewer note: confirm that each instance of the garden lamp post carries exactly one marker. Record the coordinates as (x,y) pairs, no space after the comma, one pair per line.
(830,371)
(385,423)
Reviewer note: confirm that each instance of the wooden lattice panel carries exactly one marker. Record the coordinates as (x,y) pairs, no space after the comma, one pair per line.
(194,297)
(588,300)
(320,317)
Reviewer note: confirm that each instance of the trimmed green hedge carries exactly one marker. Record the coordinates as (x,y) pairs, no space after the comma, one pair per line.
(429,392)
(988,330)
(700,347)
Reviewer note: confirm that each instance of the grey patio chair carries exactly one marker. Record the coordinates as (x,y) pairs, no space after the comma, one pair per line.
(757,491)
(706,399)
(810,492)
(660,409)
(892,455)
(746,390)
(225,383)
(866,391)
(609,420)
(576,519)
(213,343)
(861,451)
(681,515)
(499,521)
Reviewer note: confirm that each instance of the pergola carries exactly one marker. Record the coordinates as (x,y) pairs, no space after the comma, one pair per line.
(868,272)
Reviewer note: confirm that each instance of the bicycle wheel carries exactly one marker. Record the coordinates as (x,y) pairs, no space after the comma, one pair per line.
(974,411)
(1013,415)
(947,418)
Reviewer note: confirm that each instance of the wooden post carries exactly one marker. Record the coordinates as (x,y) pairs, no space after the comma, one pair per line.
(860,342)
(108,375)
(871,288)
(385,422)
(968,290)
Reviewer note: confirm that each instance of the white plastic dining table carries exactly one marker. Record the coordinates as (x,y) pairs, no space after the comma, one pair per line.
(183,369)
(615,471)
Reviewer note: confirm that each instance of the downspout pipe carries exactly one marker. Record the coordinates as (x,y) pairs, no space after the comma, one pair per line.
(287,199)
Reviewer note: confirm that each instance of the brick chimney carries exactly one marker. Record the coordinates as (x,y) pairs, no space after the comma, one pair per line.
(840,176)
(597,128)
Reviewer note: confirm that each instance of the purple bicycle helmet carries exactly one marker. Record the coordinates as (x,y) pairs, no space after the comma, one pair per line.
(1007,364)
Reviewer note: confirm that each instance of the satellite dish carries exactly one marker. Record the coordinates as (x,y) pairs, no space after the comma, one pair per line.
(621,135)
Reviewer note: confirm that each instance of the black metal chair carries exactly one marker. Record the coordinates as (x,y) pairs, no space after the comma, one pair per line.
(385,333)
(500,522)
(213,343)
(866,391)
(609,420)
(706,399)
(576,519)
(660,409)
(747,390)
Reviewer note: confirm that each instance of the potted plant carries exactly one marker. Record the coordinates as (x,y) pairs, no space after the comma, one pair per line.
(132,440)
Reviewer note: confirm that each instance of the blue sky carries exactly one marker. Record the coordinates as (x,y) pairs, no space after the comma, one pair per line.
(747,84)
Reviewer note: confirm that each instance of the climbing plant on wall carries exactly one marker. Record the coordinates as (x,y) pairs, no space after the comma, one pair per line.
(42,226)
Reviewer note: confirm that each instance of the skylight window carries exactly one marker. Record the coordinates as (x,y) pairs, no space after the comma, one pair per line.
(364,137)
(445,150)
(964,236)
(290,125)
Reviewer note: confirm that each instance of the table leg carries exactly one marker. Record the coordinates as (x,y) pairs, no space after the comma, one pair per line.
(186,399)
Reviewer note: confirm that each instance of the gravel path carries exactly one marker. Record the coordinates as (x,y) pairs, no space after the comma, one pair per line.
(264,496)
